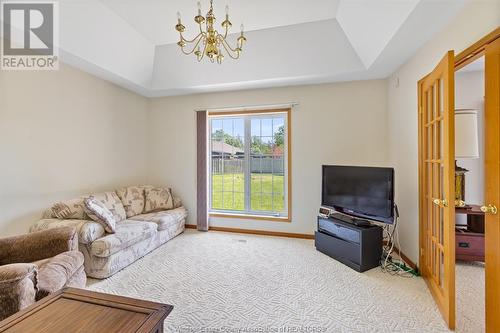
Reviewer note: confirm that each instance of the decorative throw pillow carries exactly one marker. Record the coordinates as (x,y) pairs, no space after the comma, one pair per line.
(132,198)
(158,198)
(100,213)
(112,202)
(69,210)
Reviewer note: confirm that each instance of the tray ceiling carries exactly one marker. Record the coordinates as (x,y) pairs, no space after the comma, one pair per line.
(132,42)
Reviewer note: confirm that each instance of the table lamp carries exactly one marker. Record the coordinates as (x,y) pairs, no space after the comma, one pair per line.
(466,147)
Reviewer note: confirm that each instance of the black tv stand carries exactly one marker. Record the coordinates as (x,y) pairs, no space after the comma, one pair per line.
(359,247)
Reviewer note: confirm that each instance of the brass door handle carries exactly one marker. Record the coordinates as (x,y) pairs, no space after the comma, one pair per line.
(490,209)
(440,202)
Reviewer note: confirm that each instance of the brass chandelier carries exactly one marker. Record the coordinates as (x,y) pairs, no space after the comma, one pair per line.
(210,42)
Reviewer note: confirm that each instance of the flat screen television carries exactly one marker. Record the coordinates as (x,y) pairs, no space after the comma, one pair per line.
(365,192)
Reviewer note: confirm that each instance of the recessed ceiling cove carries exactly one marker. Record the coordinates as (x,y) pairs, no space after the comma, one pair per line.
(133,43)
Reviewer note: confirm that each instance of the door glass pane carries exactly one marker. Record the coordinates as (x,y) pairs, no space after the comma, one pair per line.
(256,182)
(279,202)
(267,126)
(268,163)
(267,202)
(228,200)
(227,163)
(433,102)
(435,139)
(441,94)
(256,200)
(433,256)
(435,171)
(441,226)
(441,268)
(427,105)
(441,141)
(216,199)
(432,144)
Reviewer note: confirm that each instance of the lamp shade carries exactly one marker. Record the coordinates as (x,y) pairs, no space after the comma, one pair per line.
(466,134)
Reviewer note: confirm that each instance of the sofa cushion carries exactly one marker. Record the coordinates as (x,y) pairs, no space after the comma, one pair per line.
(55,273)
(132,198)
(88,231)
(157,198)
(112,202)
(127,233)
(71,209)
(165,218)
(101,214)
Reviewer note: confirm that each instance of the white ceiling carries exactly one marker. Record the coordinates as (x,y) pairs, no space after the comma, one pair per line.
(132,42)
(155,19)
(384,19)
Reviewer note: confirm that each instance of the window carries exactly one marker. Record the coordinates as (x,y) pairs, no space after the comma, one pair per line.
(249,164)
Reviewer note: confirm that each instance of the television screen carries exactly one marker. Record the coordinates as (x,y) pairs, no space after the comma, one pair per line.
(366,192)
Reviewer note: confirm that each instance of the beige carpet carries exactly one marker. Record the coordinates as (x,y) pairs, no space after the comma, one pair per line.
(223,282)
(470,297)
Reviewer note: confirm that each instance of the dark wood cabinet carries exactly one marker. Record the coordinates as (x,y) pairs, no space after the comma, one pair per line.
(469,239)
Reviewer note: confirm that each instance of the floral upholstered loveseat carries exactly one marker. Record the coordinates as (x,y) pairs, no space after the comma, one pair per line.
(146,217)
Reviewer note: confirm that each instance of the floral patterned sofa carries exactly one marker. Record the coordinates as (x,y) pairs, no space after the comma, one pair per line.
(146,217)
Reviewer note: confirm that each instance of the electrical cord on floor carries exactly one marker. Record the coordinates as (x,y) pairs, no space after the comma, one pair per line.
(388,263)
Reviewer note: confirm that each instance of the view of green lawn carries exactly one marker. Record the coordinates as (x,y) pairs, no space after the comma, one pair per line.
(234,188)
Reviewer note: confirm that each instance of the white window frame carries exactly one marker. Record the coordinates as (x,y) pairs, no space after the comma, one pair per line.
(248,213)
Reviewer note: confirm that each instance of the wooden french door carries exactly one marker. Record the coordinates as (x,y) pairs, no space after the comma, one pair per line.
(436,181)
(492,185)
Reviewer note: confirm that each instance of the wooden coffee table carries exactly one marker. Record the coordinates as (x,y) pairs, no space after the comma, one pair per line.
(78,310)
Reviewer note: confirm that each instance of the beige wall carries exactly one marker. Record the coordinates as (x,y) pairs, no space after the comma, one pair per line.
(344,123)
(475,20)
(65,133)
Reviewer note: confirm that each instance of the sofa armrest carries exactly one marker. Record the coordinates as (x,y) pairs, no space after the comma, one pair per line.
(88,231)
(17,288)
(15,272)
(38,245)
(177,202)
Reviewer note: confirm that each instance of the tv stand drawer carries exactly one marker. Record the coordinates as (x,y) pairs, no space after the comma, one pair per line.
(355,246)
(344,251)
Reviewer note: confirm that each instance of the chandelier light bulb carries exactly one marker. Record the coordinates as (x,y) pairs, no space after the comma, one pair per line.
(242,28)
(227,10)
(199,8)
(179,16)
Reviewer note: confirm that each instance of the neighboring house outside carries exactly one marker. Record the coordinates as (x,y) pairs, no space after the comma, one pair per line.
(229,151)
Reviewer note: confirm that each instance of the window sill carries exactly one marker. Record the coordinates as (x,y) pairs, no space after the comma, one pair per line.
(251,217)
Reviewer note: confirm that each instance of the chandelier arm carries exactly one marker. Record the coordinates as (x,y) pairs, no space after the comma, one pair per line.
(230,53)
(200,38)
(229,50)
(224,41)
(203,53)
(192,40)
